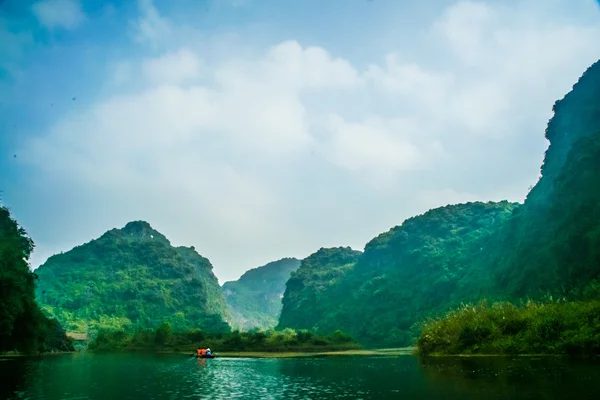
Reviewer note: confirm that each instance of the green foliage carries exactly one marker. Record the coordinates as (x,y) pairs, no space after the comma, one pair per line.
(551,244)
(23,326)
(128,279)
(255,299)
(162,339)
(402,276)
(559,327)
(305,300)
(163,333)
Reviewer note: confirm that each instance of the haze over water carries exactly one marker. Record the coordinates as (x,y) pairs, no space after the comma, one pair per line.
(128,376)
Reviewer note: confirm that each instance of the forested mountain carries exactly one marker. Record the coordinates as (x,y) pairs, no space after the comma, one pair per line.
(23,326)
(304,304)
(550,245)
(403,275)
(254,300)
(132,278)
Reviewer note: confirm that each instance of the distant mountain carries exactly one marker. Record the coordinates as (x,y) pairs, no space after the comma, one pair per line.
(132,278)
(255,299)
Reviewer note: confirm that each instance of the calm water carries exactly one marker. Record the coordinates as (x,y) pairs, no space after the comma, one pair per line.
(99,376)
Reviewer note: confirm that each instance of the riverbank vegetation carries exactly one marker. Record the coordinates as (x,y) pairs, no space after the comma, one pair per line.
(549,327)
(23,326)
(164,339)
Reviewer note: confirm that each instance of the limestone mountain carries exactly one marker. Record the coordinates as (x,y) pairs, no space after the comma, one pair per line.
(305,302)
(132,278)
(401,276)
(548,246)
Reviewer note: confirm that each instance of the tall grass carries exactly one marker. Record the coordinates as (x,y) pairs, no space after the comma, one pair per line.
(549,327)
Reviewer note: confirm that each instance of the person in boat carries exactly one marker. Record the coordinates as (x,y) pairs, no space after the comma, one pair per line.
(208,352)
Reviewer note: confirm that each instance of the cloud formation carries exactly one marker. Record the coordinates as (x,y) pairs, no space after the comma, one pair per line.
(65,14)
(252,152)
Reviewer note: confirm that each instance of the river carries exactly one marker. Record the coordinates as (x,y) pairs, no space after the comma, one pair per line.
(133,376)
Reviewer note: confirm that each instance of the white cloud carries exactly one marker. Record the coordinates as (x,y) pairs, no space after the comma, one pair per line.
(374,143)
(151,28)
(65,14)
(465,26)
(173,68)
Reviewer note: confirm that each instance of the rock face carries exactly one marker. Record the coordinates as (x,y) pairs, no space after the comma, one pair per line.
(132,278)
(255,299)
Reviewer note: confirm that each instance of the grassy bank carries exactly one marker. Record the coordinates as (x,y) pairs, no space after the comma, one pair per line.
(272,341)
(563,327)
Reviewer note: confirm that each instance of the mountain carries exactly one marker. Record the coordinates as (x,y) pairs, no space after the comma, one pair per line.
(132,278)
(23,326)
(547,247)
(551,245)
(255,299)
(305,304)
(403,275)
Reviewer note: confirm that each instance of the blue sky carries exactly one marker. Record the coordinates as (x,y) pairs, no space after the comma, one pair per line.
(255,130)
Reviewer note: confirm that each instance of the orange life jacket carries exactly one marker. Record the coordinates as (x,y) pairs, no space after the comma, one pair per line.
(198,352)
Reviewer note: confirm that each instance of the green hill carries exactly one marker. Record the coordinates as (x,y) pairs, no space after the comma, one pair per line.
(132,278)
(305,304)
(403,275)
(551,245)
(254,300)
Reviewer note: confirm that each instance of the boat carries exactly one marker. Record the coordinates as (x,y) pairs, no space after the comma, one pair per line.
(204,356)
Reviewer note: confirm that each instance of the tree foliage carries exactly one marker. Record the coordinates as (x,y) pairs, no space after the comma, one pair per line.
(163,339)
(23,326)
(305,302)
(402,276)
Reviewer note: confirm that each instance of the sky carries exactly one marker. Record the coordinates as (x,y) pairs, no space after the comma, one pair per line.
(260,129)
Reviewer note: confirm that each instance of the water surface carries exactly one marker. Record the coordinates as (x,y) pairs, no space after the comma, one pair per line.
(132,376)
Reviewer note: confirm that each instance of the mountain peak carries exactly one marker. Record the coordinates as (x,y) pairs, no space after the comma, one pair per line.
(142,230)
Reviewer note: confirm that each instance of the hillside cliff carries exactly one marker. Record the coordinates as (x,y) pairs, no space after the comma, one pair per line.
(551,245)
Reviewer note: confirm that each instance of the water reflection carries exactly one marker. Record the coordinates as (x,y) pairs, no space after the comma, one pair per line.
(514,377)
(128,376)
